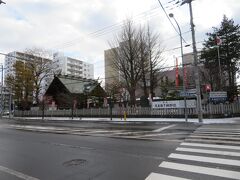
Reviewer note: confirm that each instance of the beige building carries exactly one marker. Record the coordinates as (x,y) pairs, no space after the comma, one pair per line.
(111,75)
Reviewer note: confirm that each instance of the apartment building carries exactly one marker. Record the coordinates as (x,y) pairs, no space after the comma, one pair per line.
(5,99)
(70,66)
(12,57)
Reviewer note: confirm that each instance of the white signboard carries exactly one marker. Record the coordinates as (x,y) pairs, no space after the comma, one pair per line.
(173,104)
(188,93)
(218,94)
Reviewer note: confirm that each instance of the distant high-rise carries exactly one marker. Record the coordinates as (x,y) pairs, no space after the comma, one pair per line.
(70,66)
(111,74)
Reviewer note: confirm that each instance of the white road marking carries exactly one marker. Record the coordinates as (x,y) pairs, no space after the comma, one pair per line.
(205,159)
(156,176)
(219,129)
(211,146)
(17,174)
(101,131)
(215,137)
(160,134)
(67,130)
(201,170)
(205,151)
(216,132)
(220,134)
(163,128)
(125,132)
(213,141)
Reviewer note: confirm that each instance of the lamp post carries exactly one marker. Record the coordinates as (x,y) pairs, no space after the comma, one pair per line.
(219,66)
(184,87)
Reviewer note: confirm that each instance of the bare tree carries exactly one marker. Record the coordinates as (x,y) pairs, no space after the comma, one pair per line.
(156,61)
(126,58)
(137,56)
(144,60)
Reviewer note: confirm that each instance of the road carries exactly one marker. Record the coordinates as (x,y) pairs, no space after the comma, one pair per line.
(112,151)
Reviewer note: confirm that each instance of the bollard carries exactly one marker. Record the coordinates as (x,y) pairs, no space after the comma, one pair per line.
(125,115)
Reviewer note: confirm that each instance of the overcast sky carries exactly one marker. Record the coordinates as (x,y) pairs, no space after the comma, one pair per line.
(83,28)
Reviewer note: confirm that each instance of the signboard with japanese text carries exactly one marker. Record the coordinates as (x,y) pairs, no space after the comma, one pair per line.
(173,104)
(218,96)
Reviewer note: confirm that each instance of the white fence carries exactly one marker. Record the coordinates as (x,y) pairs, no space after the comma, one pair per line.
(208,111)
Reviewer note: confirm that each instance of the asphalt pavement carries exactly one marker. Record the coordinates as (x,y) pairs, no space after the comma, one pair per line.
(110,151)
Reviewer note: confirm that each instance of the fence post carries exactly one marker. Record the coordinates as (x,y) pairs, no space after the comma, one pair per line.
(222,111)
(233,108)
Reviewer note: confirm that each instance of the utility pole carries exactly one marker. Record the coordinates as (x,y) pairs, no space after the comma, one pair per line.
(43,107)
(196,69)
(111,106)
(10,102)
(2,104)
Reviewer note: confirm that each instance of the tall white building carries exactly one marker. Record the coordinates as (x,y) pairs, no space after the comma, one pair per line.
(69,66)
(10,60)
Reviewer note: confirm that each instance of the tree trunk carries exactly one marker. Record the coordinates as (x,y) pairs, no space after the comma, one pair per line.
(132,97)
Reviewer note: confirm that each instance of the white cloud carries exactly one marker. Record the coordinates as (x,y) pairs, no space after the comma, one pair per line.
(68,25)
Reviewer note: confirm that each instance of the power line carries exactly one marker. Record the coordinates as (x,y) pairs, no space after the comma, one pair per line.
(117,76)
(170,20)
(113,26)
(108,29)
(26,59)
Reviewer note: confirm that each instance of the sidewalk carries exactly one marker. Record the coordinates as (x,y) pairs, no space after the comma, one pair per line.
(119,120)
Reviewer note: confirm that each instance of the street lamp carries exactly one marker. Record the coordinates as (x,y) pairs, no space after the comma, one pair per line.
(219,65)
(171,15)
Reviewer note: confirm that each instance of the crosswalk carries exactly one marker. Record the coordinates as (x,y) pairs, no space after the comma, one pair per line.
(208,153)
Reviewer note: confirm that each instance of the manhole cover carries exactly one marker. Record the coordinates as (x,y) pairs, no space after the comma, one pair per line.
(75,162)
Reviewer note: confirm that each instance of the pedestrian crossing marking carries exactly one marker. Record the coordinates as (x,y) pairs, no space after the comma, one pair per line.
(214,137)
(201,170)
(213,141)
(205,159)
(156,176)
(207,142)
(218,132)
(219,129)
(205,151)
(211,146)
